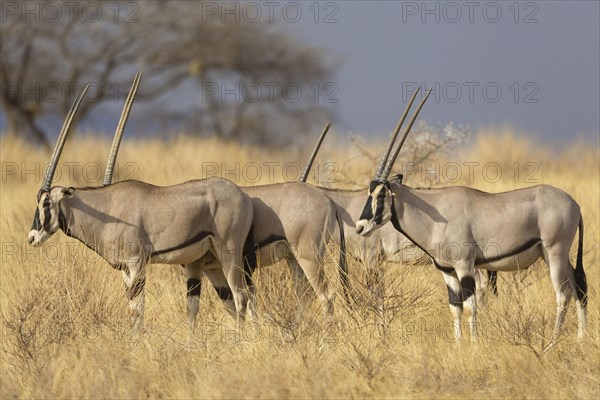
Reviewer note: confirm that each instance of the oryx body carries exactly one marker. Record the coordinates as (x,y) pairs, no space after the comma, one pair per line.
(464,229)
(132,223)
(293,221)
(384,245)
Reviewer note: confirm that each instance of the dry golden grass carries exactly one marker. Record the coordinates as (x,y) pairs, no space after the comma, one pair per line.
(65,330)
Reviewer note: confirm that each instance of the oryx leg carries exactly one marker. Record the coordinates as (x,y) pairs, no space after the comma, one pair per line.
(563,280)
(219,282)
(251,303)
(194,286)
(237,283)
(465,271)
(134,276)
(482,284)
(374,279)
(315,274)
(301,284)
(454,300)
(250,265)
(230,255)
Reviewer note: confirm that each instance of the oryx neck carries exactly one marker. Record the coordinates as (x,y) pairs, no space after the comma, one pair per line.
(412,214)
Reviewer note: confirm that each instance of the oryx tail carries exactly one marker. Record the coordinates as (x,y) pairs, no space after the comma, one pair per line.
(580,280)
(342,264)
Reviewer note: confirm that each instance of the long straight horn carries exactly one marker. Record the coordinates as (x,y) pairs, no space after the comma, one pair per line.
(314,153)
(110,165)
(62,137)
(392,159)
(388,150)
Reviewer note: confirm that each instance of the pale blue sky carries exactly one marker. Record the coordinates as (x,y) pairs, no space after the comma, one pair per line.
(543,56)
(384,44)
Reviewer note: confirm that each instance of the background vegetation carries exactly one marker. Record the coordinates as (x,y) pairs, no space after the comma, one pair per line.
(236,79)
(64,327)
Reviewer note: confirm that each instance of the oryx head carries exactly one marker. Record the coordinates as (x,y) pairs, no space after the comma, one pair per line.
(48,215)
(46,219)
(379,207)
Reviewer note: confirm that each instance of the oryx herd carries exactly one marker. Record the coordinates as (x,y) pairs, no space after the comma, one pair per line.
(215,228)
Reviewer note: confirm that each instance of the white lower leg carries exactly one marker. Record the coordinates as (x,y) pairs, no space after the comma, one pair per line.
(562,300)
(471,311)
(581,320)
(136,310)
(456,312)
(193,306)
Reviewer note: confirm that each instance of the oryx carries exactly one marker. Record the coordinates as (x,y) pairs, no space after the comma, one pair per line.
(197,223)
(384,245)
(292,221)
(496,231)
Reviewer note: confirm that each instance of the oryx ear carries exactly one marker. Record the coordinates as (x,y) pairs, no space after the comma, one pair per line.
(67,193)
(397,178)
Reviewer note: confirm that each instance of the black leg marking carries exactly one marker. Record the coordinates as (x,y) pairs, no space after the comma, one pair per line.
(455,299)
(193,287)
(47,215)
(224,293)
(467,283)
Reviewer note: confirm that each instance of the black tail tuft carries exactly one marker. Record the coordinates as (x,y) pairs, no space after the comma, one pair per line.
(343,266)
(580,280)
(250,262)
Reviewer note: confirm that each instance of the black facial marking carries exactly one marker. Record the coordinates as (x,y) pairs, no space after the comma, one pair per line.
(454,298)
(193,287)
(224,293)
(47,215)
(373,185)
(367,212)
(36,225)
(467,283)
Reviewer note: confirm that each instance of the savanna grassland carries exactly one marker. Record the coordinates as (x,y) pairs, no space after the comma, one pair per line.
(65,328)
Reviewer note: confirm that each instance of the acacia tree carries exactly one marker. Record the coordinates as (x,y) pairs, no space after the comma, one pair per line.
(235,72)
